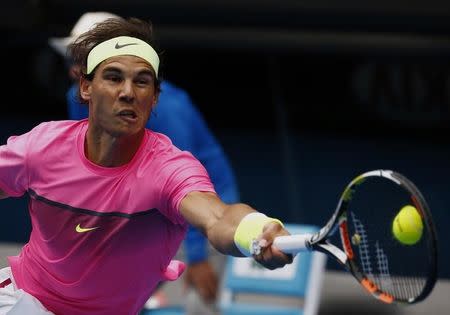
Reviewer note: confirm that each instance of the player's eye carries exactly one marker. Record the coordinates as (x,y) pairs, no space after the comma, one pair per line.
(113,78)
(112,75)
(144,80)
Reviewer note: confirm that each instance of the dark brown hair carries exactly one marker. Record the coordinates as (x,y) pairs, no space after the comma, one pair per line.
(106,30)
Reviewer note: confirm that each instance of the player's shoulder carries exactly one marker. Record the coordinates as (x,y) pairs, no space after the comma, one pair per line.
(159,142)
(162,148)
(50,129)
(54,134)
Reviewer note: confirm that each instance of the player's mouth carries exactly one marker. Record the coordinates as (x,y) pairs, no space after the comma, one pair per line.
(128,115)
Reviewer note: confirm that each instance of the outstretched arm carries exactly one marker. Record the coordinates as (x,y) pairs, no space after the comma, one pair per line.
(220,221)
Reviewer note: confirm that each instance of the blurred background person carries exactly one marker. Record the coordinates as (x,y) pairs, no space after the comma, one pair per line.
(177,117)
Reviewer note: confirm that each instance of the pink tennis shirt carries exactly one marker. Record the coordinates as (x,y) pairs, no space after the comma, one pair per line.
(102,238)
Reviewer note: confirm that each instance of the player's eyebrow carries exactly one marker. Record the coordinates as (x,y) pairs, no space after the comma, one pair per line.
(117,70)
(148,72)
(108,69)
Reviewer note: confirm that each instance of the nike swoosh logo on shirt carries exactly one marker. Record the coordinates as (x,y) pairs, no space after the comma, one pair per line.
(79,229)
(118,46)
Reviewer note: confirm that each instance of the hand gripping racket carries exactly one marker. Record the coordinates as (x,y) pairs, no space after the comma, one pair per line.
(391,270)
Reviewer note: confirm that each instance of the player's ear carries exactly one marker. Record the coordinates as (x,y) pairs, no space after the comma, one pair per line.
(155,99)
(85,89)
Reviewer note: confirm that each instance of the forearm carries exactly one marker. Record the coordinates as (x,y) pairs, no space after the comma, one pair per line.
(221,233)
(215,219)
(232,229)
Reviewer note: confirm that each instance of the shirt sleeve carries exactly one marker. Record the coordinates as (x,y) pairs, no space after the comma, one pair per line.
(182,174)
(13,165)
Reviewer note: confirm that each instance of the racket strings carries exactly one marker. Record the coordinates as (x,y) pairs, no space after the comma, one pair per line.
(403,288)
(396,269)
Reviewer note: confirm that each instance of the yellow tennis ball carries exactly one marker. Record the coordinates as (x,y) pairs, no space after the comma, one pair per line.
(408,226)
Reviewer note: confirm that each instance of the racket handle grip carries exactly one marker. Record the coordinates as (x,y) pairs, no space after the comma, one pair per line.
(292,244)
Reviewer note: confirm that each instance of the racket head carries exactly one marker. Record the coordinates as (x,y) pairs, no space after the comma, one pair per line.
(390,270)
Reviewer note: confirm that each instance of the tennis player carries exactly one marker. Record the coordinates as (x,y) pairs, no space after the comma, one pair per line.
(177,117)
(110,201)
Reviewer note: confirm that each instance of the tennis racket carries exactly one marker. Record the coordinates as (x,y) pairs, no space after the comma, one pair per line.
(388,269)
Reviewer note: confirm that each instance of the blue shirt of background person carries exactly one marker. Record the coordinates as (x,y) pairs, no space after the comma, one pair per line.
(176,116)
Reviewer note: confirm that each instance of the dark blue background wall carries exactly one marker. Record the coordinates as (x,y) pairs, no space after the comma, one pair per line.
(303,97)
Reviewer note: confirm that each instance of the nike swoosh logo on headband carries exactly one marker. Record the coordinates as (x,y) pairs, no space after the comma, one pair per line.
(118,46)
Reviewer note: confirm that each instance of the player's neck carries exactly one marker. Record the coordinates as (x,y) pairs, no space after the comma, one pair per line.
(108,151)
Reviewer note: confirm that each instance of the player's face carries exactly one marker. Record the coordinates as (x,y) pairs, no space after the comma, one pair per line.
(121,95)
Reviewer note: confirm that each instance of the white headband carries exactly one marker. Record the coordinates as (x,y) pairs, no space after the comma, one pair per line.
(122,45)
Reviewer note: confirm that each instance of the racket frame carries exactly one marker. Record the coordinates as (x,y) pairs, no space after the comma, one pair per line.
(345,256)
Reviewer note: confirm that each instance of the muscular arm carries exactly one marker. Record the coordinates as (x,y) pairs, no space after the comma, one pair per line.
(215,219)
(218,221)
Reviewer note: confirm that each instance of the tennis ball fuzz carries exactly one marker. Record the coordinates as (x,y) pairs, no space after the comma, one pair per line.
(408,226)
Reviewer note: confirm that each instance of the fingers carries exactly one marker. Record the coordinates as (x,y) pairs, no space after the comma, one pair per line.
(270,256)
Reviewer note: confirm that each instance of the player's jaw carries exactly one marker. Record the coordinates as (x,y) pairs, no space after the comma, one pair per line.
(130,119)
(121,95)
(121,118)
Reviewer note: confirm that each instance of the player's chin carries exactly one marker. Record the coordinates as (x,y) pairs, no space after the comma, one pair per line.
(131,125)
(127,130)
